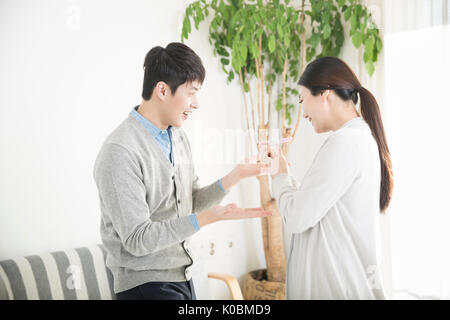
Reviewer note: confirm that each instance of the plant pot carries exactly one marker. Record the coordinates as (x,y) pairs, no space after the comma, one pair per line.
(256,287)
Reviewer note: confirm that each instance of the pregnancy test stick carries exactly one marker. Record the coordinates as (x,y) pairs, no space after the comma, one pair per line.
(284,140)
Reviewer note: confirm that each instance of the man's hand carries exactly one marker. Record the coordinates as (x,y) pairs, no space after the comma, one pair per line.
(248,168)
(229,212)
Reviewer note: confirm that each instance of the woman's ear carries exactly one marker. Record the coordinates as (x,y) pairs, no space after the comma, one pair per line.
(325,94)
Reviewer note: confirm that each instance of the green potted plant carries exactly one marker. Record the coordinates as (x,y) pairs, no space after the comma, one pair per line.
(265,45)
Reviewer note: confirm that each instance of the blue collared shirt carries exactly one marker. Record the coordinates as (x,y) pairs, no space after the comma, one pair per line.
(164,139)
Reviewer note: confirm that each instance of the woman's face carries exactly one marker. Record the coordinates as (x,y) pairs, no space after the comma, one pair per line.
(315,109)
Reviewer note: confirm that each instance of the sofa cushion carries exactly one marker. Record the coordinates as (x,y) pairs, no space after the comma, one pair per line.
(72,274)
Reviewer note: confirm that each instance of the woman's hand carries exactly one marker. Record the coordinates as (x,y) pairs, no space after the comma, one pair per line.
(229,212)
(278,160)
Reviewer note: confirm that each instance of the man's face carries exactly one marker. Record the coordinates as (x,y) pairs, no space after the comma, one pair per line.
(179,106)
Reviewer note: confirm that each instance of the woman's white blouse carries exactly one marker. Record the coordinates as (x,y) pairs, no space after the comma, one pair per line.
(333,218)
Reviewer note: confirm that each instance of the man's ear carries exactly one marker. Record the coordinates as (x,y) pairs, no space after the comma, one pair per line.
(162,90)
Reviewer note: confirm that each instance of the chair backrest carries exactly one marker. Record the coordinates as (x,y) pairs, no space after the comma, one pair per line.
(73,274)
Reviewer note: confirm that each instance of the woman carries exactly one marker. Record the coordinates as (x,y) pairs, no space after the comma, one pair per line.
(333,215)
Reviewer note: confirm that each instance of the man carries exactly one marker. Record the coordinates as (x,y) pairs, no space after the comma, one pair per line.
(150,198)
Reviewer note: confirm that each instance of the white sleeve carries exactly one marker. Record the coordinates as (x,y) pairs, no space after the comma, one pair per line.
(334,169)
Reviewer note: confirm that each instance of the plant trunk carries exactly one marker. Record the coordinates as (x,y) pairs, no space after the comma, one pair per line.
(272,228)
(272,231)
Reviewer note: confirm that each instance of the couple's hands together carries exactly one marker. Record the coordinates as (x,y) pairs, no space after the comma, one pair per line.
(272,163)
(245,169)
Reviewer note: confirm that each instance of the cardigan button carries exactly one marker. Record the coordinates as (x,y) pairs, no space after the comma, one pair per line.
(179,201)
(173,177)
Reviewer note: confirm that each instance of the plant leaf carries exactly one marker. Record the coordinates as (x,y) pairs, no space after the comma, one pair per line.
(272,43)
(357,39)
(326,31)
(370,67)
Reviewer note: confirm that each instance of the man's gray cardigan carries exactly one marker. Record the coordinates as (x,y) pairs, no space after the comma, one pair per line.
(145,205)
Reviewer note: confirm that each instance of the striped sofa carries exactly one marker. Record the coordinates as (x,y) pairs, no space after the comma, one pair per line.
(73,274)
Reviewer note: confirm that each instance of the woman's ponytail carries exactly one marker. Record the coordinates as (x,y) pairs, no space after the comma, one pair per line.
(371,113)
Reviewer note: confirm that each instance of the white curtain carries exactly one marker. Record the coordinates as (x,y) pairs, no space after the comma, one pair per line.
(417,118)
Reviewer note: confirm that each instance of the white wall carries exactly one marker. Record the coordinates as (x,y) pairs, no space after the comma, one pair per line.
(70,73)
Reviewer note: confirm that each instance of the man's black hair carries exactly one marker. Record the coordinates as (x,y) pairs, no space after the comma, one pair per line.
(174,65)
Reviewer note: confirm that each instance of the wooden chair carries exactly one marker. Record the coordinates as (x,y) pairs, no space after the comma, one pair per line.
(231,282)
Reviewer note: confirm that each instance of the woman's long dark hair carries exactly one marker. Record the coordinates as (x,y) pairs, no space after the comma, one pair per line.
(334,74)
